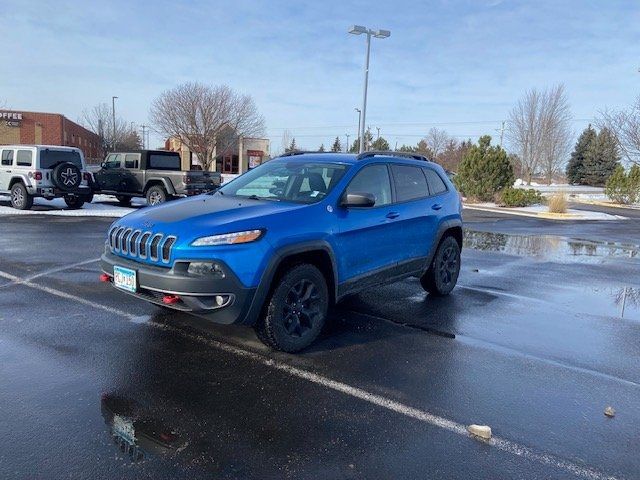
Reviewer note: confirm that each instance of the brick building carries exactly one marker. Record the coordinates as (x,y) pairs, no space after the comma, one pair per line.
(28,128)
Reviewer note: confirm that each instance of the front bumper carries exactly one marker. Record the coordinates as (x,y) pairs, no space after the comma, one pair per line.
(196,293)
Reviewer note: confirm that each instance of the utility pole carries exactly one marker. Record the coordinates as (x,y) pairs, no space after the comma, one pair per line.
(359,120)
(346,148)
(113,113)
(502,132)
(378,128)
(143,136)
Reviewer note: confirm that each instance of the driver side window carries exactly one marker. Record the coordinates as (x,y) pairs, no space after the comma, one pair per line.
(373,179)
(113,161)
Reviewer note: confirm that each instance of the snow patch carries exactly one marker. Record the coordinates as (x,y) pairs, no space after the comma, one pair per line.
(102,206)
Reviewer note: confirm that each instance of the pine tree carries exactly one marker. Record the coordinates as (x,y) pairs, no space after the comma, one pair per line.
(292,147)
(575,167)
(336,147)
(601,159)
(484,170)
(368,139)
(321,149)
(380,144)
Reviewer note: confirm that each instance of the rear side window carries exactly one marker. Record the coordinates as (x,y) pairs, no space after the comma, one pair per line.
(24,158)
(160,161)
(49,158)
(7,157)
(373,179)
(410,182)
(436,185)
(131,160)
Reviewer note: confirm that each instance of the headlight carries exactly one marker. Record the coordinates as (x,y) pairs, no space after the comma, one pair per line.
(228,238)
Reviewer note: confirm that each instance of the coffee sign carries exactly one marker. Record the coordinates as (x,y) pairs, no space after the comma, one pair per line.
(12,119)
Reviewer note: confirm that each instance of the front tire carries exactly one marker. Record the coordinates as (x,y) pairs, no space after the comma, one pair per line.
(20,198)
(124,200)
(156,195)
(443,272)
(74,202)
(296,310)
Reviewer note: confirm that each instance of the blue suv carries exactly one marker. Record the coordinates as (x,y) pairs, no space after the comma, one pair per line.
(277,246)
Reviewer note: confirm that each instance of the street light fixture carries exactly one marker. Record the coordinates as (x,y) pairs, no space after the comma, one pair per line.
(359,30)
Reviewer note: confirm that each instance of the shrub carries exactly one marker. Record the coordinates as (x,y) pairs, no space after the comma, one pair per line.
(558,203)
(484,170)
(622,187)
(518,197)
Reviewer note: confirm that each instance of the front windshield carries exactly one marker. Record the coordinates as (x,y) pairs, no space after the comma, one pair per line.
(288,181)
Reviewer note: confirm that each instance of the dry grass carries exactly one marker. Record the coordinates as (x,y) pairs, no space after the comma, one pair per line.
(558,203)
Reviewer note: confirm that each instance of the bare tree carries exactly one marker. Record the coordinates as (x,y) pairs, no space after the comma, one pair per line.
(437,141)
(539,129)
(99,119)
(202,116)
(625,125)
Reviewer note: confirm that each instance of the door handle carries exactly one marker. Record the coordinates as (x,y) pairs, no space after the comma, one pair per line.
(436,206)
(393,215)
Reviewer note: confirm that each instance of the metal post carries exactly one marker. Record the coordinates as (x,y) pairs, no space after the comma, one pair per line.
(346,148)
(364,93)
(113,113)
(359,120)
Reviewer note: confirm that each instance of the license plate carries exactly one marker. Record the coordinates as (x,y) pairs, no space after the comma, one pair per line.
(124,278)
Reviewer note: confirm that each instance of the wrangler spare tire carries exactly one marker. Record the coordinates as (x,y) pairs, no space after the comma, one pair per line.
(66,176)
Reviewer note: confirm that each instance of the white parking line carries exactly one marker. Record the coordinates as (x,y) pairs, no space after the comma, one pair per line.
(497,442)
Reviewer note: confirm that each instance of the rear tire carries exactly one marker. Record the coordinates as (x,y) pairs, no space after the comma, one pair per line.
(443,272)
(123,200)
(296,310)
(73,201)
(20,198)
(156,195)
(88,198)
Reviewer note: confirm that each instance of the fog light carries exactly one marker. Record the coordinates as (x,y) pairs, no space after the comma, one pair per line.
(219,300)
(205,268)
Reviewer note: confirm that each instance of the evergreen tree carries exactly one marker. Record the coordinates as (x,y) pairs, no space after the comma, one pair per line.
(368,139)
(575,167)
(601,159)
(336,147)
(484,170)
(292,147)
(380,144)
(407,148)
(321,149)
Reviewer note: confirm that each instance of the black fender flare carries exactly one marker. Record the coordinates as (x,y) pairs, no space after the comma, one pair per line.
(264,287)
(444,226)
(168,186)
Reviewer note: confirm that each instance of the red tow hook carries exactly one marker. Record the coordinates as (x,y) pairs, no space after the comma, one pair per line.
(170,299)
(104,277)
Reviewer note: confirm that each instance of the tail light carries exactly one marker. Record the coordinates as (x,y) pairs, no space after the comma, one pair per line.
(186,179)
(37,175)
(86,176)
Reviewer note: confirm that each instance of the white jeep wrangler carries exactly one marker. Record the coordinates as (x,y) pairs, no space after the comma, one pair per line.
(47,171)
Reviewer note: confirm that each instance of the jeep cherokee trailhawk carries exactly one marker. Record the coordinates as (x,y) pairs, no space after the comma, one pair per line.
(276,247)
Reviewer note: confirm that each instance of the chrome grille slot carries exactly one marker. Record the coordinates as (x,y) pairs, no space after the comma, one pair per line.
(133,245)
(112,238)
(125,240)
(142,251)
(166,248)
(119,239)
(153,249)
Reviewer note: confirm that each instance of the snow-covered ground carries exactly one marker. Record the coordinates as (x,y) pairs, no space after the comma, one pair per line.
(542,211)
(102,206)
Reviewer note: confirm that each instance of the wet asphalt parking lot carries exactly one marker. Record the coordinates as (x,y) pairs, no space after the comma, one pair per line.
(542,333)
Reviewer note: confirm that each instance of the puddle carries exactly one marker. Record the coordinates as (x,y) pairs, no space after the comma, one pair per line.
(621,302)
(547,247)
(136,435)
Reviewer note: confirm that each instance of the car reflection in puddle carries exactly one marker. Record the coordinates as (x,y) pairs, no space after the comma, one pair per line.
(137,435)
(547,247)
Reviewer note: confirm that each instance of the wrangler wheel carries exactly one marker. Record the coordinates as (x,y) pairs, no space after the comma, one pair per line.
(20,198)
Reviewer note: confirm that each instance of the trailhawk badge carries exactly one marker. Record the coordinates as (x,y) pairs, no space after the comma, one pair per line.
(69,177)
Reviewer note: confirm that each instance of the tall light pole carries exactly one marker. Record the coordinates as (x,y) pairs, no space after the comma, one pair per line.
(113,114)
(359,120)
(346,149)
(359,30)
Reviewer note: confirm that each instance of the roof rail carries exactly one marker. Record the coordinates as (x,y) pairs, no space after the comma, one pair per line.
(302,152)
(375,153)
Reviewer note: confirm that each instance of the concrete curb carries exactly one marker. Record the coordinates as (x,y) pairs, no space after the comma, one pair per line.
(540,215)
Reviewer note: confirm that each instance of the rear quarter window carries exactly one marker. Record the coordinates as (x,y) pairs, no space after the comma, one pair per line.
(161,161)
(436,184)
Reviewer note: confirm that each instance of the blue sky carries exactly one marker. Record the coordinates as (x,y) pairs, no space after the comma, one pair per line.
(458,65)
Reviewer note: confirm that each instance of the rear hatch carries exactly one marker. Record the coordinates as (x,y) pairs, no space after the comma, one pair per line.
(50,158)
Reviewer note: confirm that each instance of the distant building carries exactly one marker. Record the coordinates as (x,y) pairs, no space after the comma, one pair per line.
(242,154)
(29,128)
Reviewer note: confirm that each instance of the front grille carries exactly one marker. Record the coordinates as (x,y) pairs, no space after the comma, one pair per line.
(136,244)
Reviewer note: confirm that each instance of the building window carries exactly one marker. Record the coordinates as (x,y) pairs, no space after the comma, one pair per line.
(230,164)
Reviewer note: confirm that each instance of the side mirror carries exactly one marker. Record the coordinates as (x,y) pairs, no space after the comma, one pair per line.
(358,200)
(103,165)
